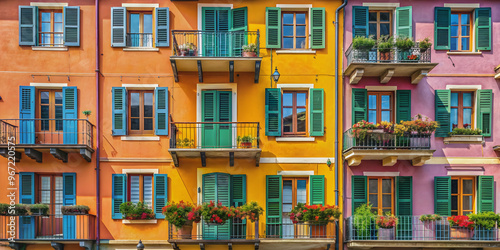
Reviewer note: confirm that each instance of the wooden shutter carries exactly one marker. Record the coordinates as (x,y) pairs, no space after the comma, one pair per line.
(70,111)
(403,105)
(442,22)
(358,191)
(27,115)
(273,205)
(483,28)
(442,195)
(28,20)
(273,28)
(162,16)
(216,187)
(118,194)
(359,105)
(317,189)
(69,199)
(161,194)
(484,110)
(161,111)
(238,17)
(224,114)
(72,26)
(118,26)
(238,190)
(404,21)
(359,21)
(486,193)
(317,113)
(273,112)
(318,24)
(119,111)
(27,196)
(442,103)
(404,207)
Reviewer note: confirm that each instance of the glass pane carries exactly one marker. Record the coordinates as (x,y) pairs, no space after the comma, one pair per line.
(44,97)
(465,31)
(287,99)
(385,29)
(300,18)
(300,43)
(454,43)
(467,99)
(386,102)
(45,113)
(454,118)
(148,123)
(372,29)
(58,17)
(134,105)
(148,104)
(372,16)
(134,124)
(465,19)
(148,23)
(385,116)
(134,23)
(385,16)
(374,200)
(59,97)
(454,203)
(301,120)
(287,191)
(386,200)
(287,30)
(454,30)
(301,191)
(288,43)
(373,186)
(45,27)
(467,119)
(288,18)
(454,186)
(372,116)
(58,38)
(467,186)
(465,43)
(301,31)
(386,185)
(59,112)
(148,190)
(454,99)
(467,203)
(301,99)
(45,17)
(45,194)
(454,19)
(288,120)
(46,38)
(58,194)
(58,27)
(135,188)
(372,101)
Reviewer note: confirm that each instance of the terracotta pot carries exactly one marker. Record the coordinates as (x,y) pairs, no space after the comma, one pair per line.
(385,56)
(386,234)
(185,231)
(461,233)
(246,144)
(249,54)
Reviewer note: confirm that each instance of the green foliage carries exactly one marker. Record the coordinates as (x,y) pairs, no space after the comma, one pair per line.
(182,213)
(430,217)
(4,209)
(485,220)
(217,213)
(364,219)
(86,112)
(314,213)
(424,44)
(251,47)
(185,143)
(363,43)
(246,138)
(139,211)
(21,209)
(404,43)
(465,131)
(39,209)
(252,210)
(385,43)
(75,209)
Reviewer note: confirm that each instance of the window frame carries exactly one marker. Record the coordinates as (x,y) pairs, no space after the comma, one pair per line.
(459,30)
(460,108)
(141,187)
(294,113)
(294,37)
(379,109)
(141,117)
(378,22)
(380,194)
(52,110)
(294,188)
(52,25)
(141,26)
(52,190)
(460,194)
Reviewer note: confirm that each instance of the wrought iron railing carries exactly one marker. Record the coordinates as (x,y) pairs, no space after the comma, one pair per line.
(195,135)
(199,43)
(47,131)
(278,228)
(140,40)
(411,228)
(234,229)
(394,55)
(50,227)
(378,139)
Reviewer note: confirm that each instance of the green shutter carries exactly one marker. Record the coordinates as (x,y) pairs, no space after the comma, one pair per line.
(119,110)
(317,189)
(486,193)
(273,205)
(358,191)
(442,195)
(317,114)
(161,194)
(273,112)
(484,110)
(118,26)
(162,17)
(483,28)
(318,28)
(359,21)
(28,25)
(442,22)
(359,105)
(403,105)
(72,26)
(216,187)
(224,114)
(161,111)
(404,207)
(273,28)
(442,103)
(404,21)
(238,190)
(118,194)
(239,24)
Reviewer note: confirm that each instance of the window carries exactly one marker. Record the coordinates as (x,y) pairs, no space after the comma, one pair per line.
(462,109)
(461,31)
(51,28)
(462,195)
(140,189)
(294,30)
(141,112)
(294,113)
(381,194)
(50,192)
(380,23)
(294,192)
(140,29)
(380,107)
(50,109)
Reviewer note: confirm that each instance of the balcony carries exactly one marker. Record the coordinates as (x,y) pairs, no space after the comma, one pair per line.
(215,140)
(214,51)
(379,145)
(413,63)
(283,234)
(37,136)
(413,233)
(140,40)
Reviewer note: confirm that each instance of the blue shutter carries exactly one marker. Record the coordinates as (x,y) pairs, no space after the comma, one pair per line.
(359,21)
(162,27)
(119,96)
(118,26)
(161,194)
(72,26)
(161,111)
(28,28)
(27,196)
(70,107)
(69,199)
(27,115)
(119,194)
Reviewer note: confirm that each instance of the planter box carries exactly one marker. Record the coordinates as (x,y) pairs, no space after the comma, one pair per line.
(464,139)
(386,234)
(461,233)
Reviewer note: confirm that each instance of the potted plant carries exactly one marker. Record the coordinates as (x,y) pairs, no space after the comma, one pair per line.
(39,209)
(464,135)
(245,141)
(250,50)
(316,216)
(251,211)
(86,113)
(404,44)
(185,143)
(461,228)
(385,44)
(362,45)
(424,45)
(429,222)
(4,209)
(21,209)
(364,223)
(182,215)
(75,210)
(136,211)
(217,214)
(485,224)
(386,224)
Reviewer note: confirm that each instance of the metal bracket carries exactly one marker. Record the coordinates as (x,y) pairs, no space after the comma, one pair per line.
(33,154)
(202,246)
(256,246)
(230,246)
(59,154)
(257,71)
(200,71)
(231,159)
(86,244)
(203,159)
(86,154)
(328,246)
(231,71)
(5,153)
(174,70)
(174,246)
(57,246)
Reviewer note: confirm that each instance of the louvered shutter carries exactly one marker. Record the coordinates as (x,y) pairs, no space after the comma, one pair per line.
(216,188)
(442,103)
(358,191)
(273,112)
(27,196)
(486,193)
(70,112)
(161,111)
(224,196)
(273,28)
(318,28)
(119,111)
(161,194)
(483,28)
(208,114)
(119,194)
(273,206)
(27,115)
(69,199)
(404,207)
(404,22)
(224,114)
(223,43)
(162,27)
(442,22)
(317,189)
(484,110)
(359,21)
(238,190)
(28,22)
(442,195)
(403,105)
(317,114)
(359,105)
(72,26)
(118,26)
(239,27)
(209,18)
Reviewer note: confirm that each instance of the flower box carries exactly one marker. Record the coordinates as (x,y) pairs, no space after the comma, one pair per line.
(461,233)
(464,139)
(139,221)
(386,234)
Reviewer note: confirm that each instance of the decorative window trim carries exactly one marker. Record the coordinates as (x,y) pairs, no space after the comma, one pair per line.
(139,138)
(391,174)
(200,12)
(291,86)
(48,5)
(295,139)
(140,86)
(140,171)
(381,5)
(463,87)
(296,173)
(300,7)
(290,51)
(462,6)
(464,52)
(43,48)
(140,5)
(381,88)
(464,171)
(296,86)
(141,49)
(48,85)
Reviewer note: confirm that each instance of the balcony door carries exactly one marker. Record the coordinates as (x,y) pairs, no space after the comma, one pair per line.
(50,111)
(294,192)
(50,192)
(216,107)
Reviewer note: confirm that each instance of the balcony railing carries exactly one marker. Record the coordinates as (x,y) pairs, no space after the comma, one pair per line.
(237,229)
(410,228)
(378,139)
(51,227)
(198,43)
(144,40)
(394,55)
(305,230)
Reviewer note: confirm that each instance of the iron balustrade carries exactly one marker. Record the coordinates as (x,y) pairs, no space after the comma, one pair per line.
(378,139)
(231,230)
(286,229)
(199,43)
(144,40)
(394,55)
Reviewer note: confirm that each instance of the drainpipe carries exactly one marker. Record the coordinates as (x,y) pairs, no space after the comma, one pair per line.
(98,128)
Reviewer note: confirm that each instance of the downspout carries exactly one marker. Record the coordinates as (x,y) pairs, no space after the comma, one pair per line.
(98,128)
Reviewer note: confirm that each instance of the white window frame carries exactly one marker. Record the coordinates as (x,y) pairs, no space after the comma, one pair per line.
(475,88)
(301,87)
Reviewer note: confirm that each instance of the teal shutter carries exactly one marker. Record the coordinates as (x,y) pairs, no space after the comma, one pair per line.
(69,199)
(486,193)
(209,41)
(359,105)
(317,189)
(216,187)
(27,114)
(118,194)
(359,21)
(27,196)
(118,26)
(318,28)
(484,110)
(70,112)
(273,28)
(442,22)
(317,113)
(239,17)
(161,194)
(404,207)
(273,206)
(28,25)
(359,189)
(162,27)
(72,26)
(273,112)
(404,21)
(483,28)
(119,112)
(161,111)
(224,114)
(442,195)
(403,105)
(442,103)
(238,190)
(216,19)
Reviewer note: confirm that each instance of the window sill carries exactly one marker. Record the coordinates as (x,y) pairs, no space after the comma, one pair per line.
(40,48)
(290,51)
(139,221)
(464,53)
(140,138)
(140,49)
(463,139)
(295,139)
